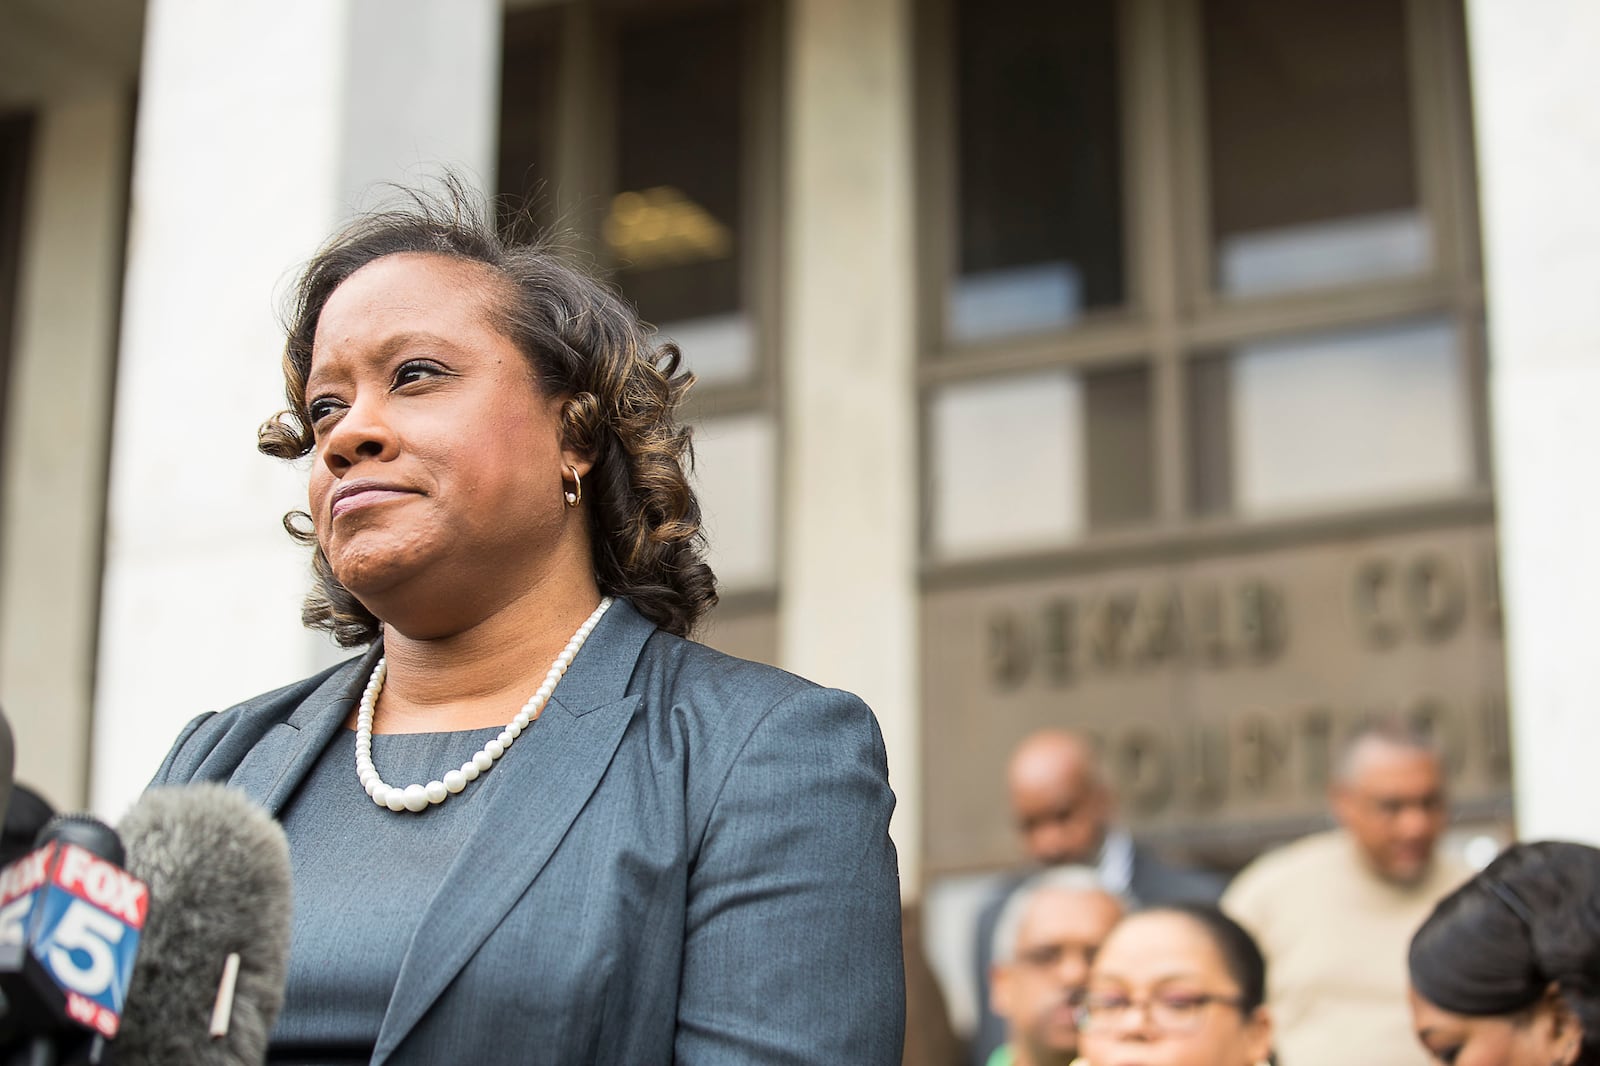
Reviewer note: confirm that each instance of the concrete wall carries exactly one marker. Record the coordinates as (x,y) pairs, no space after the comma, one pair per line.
(56,436)
(1538,129)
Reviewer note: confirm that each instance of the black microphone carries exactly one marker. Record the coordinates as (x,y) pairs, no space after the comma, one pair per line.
(209,980)
(8,765)
(70,922)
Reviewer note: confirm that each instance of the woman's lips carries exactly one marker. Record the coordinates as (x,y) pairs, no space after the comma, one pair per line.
(365,497)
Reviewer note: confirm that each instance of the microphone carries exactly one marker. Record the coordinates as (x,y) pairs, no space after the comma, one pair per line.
(70,921)
(8,765)
(209,980)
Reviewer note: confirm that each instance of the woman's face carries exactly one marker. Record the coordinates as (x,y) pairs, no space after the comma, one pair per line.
(1544,1035)
(1160,995)
(437,475)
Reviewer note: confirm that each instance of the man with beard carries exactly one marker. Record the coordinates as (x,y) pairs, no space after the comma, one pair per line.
(1333,912)
(1044,943)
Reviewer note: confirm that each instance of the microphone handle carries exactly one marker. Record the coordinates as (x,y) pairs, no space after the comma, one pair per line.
(8,763)
(45,1050)
(40,1051)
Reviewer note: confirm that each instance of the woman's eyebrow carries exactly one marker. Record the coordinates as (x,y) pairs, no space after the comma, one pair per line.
(1178,975)
(412,338)
(388,348)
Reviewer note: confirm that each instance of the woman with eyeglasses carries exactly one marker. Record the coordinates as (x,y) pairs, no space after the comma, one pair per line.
(1177,986)
(1506,970)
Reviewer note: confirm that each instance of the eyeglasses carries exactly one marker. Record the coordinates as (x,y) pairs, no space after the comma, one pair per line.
(1391,808)
(1049,956)
(1171,1013)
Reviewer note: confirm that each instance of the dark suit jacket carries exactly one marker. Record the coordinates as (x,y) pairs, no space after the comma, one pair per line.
(686,858)
(1152,883)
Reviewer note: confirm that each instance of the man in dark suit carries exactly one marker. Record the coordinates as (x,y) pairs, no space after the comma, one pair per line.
(1063,809)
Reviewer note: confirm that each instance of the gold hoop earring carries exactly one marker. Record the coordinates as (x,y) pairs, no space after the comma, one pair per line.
(574,495)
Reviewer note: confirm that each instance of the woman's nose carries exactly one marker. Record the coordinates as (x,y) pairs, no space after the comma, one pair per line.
(361,433)
(1136,1022)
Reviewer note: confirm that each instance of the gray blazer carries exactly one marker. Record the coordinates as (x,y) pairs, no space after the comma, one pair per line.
(686,859)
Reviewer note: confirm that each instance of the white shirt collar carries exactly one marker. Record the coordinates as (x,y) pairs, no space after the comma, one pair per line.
(1115,864)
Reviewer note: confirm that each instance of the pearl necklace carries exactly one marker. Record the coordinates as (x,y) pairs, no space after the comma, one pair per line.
(420,797)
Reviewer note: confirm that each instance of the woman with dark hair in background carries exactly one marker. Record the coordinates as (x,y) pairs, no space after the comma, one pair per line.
(1506,971)
(1179,985)
(534,822)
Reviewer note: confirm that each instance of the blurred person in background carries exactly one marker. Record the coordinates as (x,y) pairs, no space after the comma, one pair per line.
(1045,942)
(1506,970)
(1064,812)
(1334,911)
(1177,986)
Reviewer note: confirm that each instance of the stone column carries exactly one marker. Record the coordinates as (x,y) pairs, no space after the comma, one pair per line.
(848,614)
(1538,133)
(56,435)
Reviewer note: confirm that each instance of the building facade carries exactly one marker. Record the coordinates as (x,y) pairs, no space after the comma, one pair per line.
(1209,375)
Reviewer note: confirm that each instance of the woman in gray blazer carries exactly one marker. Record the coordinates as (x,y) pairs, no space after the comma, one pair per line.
(533,822)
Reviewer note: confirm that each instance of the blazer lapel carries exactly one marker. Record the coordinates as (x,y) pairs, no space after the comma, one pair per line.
(280,760)
(561,758)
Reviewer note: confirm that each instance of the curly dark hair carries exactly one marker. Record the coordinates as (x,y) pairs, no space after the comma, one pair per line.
(583,341)
(1530,919)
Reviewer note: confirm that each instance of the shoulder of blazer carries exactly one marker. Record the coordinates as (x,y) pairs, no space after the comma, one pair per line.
(235,731)
(730,712)
(670,664)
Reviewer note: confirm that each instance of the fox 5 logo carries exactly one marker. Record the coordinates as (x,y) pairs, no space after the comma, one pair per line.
(79,917)
(87,950)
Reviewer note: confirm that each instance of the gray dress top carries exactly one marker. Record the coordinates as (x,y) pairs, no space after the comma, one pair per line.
(382,868)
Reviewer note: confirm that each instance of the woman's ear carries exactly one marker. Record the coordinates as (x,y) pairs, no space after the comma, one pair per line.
(1258,1036)
(1557,1027)
(577,418)
(571,416)
(571,457)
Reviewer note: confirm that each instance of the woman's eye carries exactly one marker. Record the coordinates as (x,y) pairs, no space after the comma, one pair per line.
(321,409)
(1182,1003)
(1448,1055)
(415,370)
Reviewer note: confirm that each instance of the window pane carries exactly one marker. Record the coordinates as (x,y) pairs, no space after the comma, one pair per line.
(1121,489)
(674,227)
(1210,436)
(528,84)
(735,475)
(1033,461)
(1364,417)
(1039,166)
(1008,462)
(1312,170)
